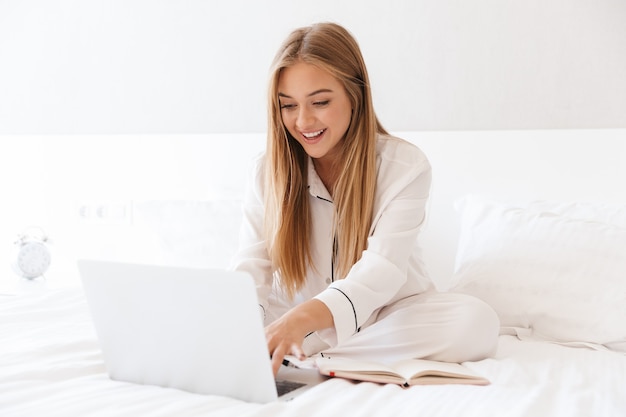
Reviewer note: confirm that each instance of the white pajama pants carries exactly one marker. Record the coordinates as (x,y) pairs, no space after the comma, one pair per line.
(448,327)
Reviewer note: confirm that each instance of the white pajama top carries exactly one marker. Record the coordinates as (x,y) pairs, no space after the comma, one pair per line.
(390,268)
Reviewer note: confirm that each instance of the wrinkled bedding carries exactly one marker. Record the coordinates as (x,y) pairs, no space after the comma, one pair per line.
(50,364)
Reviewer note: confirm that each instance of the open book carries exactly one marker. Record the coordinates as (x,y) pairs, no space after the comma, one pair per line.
(406,373)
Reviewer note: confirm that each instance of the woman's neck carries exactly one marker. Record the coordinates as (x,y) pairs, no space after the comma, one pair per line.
(328,173)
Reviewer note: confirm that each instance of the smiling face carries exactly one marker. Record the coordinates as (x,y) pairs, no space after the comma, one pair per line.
(315,110)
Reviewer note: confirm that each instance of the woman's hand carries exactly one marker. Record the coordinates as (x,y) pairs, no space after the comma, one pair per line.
(285,335)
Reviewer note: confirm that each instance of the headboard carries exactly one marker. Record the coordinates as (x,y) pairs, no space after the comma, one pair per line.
(182,188)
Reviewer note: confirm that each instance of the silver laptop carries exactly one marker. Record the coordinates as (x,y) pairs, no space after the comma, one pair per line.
(197,330)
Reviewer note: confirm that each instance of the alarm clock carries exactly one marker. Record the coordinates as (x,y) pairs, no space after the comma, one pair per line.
(32,255)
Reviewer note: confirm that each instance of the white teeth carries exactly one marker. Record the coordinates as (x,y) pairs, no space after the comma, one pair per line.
(313,134)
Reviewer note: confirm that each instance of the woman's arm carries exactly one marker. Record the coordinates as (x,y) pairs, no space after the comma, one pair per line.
(252,256)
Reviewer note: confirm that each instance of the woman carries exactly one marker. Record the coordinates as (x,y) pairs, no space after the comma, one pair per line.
(332,217)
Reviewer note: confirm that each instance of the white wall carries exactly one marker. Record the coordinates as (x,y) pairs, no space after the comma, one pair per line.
(195,66)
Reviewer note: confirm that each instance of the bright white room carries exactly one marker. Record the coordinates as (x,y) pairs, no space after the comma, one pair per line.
(128,130)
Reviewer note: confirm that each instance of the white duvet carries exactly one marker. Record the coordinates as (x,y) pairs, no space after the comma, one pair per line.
(50,365)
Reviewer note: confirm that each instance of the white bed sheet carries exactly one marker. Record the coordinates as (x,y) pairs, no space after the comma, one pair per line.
(50,364)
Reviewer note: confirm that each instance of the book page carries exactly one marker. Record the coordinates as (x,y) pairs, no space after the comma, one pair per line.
(350,368)
(351,365)
(416,367)
(411,371)
(436,372)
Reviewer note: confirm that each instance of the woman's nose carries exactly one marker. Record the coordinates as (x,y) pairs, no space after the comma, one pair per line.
(305,119)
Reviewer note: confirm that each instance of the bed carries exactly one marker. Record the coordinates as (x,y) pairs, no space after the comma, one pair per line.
(533,222)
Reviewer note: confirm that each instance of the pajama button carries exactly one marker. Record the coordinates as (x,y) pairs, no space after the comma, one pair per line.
(328,280)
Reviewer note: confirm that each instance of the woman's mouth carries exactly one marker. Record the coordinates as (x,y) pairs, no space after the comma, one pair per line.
(313,136)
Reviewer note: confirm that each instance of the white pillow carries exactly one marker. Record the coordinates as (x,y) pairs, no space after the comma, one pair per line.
(554,276)
(614,214)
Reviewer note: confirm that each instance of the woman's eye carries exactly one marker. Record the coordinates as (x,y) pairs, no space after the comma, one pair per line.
(287,106)
(321,103)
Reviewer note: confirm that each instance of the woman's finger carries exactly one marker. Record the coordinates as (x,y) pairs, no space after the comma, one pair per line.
(277,359)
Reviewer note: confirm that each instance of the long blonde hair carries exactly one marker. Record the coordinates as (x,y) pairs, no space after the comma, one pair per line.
(287,213)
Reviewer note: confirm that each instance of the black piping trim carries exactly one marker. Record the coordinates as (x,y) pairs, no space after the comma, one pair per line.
(263,308)
(356,323)
(332,260)
(324,199)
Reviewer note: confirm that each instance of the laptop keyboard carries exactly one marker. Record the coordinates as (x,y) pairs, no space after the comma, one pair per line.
(283,387)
